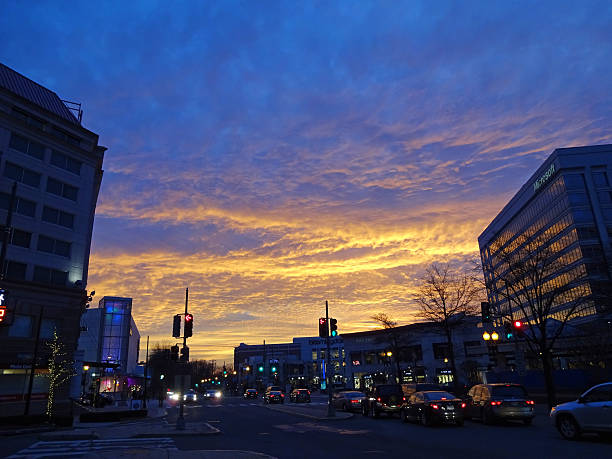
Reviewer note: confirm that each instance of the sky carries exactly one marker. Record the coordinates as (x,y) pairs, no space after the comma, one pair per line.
(271,155)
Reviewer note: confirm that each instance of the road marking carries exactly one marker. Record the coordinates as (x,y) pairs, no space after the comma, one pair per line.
(304,427)
(65,448)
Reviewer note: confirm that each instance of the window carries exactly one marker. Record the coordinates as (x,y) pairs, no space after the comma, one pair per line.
(61,134)
(578,199)
(574,181)
(29,147)
(58,217)
(607,213)
(21,238)
(600,179)
(605,197)
(29,119)
(20,205)
(65,162)
(16,270)
(588,232)
(62,189)
(582,215)
(440,350)
(50,276)
(48,326)
(21,326)
(20,174)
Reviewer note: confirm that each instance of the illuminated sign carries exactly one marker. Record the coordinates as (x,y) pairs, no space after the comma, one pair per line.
(544,178)
(2,304)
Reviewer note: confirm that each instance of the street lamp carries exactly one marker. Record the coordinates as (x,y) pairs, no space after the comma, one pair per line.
(389,354)
(494,336)
(486,336)
(85,367)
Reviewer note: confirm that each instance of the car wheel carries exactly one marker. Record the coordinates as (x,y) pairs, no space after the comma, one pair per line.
(527,421)
(364,411)
(425,420)
(487,418)
(568,427)
(344,407)
(374,413)
(459,422)
(403,416)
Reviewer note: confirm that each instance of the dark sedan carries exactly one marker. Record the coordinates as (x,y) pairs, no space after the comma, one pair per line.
(300,395)
(274,396)
(436,407)
(251,393)
(348,400)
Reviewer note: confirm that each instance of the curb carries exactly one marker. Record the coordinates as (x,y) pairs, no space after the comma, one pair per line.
(310,416)
(25,431)
(70,436)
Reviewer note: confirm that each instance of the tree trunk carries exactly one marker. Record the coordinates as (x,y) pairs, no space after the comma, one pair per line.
(397,365)
(451,357)
(548,378)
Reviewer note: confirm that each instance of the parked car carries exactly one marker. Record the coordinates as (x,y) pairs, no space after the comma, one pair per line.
(101,400)
(251,393)
(274,396)
(190,396)
(348,400)
(411,388)
(384,398)
(300,395)
(433,407)
(591,412)
(491,402)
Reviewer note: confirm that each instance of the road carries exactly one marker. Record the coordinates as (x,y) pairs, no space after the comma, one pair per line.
(250,425)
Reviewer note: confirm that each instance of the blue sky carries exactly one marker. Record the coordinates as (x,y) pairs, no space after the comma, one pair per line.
(271,155)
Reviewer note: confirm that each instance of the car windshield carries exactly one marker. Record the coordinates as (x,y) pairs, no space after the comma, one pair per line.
(508,391)
(438,395)
(353,394)
(251,390)
(275,392)
(390,390)
(302,391)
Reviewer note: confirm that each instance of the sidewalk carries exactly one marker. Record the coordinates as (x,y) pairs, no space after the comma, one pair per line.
(317,412)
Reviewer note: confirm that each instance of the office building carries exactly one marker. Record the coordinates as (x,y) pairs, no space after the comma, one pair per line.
(54,165)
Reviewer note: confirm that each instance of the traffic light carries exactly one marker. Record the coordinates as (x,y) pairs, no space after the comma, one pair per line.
(509,330)
(273,369)
(323,331)
(174,351)
(176,327)
(518,327)
(185,354)
(333,327)
(260,368)
(485,310)
(188,325)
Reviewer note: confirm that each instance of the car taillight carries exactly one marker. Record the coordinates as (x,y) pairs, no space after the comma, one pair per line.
(463,405)
(494,403)
(354,401)
(403,399)
(283,395)
(434,406)
(308,392)
(378,399)
(530,402)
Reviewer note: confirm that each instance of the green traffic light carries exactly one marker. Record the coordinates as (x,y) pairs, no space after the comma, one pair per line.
(260,368)
(509,335)
(273,369)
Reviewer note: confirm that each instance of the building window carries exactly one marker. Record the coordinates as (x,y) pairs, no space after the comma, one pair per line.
(29,119)
(440,350)
(20,205)
(65,162)
(582,215)
(314,354)
(62,189)
(574,181)
(21,326)
(16,270)
(20,174)
(578,199)
(55,246)
(370,357)
(600,179)
(61,134)
(29,147)
(50,275)
(58,217)
(21,238)
(587,232)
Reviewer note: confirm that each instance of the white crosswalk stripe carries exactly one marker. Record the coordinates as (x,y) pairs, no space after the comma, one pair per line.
(77,448)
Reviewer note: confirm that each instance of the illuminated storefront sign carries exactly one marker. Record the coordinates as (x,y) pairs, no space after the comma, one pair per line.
(543,179)
(2,305)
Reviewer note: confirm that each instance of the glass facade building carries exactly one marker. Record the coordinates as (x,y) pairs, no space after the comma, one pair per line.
(566,207)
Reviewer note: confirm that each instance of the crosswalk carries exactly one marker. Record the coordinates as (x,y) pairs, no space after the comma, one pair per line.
(76,448)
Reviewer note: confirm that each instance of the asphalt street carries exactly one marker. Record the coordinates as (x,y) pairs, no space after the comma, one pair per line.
(250,425)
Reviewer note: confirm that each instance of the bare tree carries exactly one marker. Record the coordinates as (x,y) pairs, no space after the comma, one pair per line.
(543,285)
(61,369)
(393,338)
(447,298)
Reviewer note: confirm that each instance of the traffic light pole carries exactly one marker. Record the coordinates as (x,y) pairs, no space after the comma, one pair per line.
(180,421)
(331,412)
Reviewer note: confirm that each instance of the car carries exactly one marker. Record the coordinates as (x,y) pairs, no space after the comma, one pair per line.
(276,388)
(433,407)
(384,398)
(348,400)
(251,393)
(190,396)
(591,412)
(411,388)
(299,395)
(274,396)
(491,402)
(213,394)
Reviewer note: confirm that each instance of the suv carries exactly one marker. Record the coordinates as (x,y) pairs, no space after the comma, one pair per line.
(592,412)
(490,402)
(385,398)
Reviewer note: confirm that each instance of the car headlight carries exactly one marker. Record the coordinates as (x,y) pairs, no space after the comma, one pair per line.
(174,397)
(195,397)
(217,394)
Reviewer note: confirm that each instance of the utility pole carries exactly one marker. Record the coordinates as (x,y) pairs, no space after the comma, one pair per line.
(26,410)
(331,412)
(180,421)
(7,231)
(146,372)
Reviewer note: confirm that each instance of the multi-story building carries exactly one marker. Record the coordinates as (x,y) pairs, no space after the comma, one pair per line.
(422,352)
(566,205)
(51,170)
(109,346)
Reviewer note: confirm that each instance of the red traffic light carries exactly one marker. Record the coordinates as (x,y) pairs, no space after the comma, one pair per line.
(188,317)
(518,324)
(321,321)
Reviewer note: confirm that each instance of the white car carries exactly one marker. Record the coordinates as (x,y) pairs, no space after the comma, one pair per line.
(592,412)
